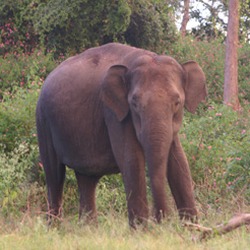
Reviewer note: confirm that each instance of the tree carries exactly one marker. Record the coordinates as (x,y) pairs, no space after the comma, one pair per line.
(65,26)
(151,25)
(185,18)
(245,21)
(212,24)
(71,26)
(231,59)
(211,16)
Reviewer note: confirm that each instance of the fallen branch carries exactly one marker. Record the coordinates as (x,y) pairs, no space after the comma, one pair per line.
(235,222)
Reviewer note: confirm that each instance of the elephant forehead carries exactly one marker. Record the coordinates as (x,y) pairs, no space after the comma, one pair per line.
(155,79)
(155,94)
(158,72)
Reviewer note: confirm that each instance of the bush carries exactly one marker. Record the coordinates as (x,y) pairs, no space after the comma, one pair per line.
(17,178)
(81,24)
(244,72)
(217,145)
(17,115)
(151,25)
(111,196)
(16,28)
(24,70)
(64,26)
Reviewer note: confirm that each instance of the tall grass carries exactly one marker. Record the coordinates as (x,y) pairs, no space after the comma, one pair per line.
(112,233)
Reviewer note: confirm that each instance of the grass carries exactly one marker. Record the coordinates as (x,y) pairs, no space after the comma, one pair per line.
(113,233)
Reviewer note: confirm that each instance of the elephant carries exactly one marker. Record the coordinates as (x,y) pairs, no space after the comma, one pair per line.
(118,109)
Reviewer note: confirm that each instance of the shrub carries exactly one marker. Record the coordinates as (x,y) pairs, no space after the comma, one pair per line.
(24,70)
(244,73)
(111,196)
(17,115)
(16,175)
(16,28)
(217,146)
(151,25)
(70,26)
(80,24)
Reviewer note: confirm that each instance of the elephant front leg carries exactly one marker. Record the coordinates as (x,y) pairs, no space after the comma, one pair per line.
(180,181)
(135,187)
(129,157)
(87,186)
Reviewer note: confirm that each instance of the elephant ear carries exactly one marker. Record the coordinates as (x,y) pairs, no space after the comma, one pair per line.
(115,91)
(194,86)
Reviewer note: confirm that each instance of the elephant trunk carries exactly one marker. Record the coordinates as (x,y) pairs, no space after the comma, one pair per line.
(156,138)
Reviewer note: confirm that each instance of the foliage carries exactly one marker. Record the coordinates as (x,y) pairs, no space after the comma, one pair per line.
(219,155)
(17,178)
(71,26)
(16,27)
(21,176)
(151,17)
(244,73)
(211,16)
(80,23)
(245,21)
(213,24)
(17,115)
(24,70)
(110,195)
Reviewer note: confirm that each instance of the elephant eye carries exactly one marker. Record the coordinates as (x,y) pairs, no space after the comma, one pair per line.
(134,101)
(177,104)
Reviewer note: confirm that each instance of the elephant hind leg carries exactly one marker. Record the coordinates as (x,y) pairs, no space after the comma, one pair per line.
(55,183)
(54,170)
(87,186)
(55,176)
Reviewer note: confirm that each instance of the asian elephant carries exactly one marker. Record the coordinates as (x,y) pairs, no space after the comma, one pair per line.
(117,108)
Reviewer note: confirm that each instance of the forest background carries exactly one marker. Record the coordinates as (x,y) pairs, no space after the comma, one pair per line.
(36,35)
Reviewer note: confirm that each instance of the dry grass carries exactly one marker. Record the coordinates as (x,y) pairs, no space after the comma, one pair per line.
(113,233)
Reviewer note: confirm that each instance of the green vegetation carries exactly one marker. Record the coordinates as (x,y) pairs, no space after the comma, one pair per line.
(24,70)
(113,233)
(216,139)
(64,26)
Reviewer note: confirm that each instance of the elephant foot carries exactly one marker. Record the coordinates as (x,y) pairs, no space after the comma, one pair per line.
(138,224)
(188,214)
(88,217)
(54,217)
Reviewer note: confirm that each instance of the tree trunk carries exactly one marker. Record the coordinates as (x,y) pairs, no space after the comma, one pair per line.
(231,59)
(185,19)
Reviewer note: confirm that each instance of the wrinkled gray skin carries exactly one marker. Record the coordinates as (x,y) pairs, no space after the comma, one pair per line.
(113,109)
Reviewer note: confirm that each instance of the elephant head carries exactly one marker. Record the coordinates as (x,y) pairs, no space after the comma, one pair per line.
(153,91)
